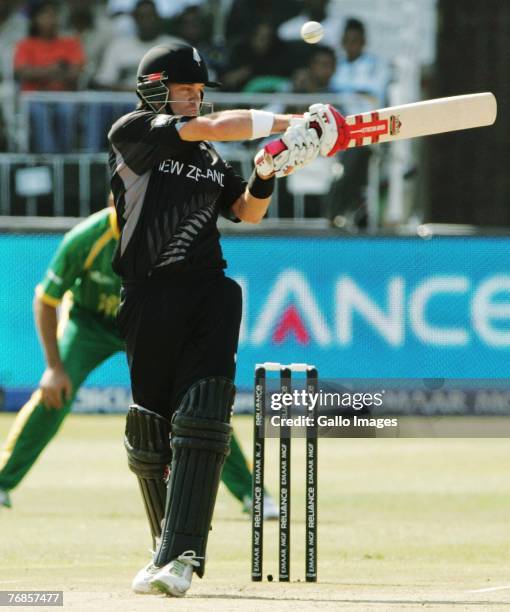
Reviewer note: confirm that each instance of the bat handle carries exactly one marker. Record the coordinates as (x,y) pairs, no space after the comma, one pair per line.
(277,146)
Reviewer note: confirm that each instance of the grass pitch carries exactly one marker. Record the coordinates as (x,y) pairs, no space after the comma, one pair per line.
(403,524)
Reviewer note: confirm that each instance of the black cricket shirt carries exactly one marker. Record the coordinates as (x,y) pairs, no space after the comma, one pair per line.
(168,194)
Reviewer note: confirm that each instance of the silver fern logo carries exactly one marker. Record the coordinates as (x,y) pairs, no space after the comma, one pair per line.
(196,56)
(184,236)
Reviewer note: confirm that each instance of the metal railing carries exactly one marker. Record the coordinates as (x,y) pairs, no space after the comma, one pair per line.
(87,105)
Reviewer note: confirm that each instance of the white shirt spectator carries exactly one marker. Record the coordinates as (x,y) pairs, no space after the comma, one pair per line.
(121,58)
(94,41)
(291,29)
(165,8)
(12,30)
(368,74)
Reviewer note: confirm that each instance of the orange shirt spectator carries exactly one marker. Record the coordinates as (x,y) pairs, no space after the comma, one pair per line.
(54,55)
(46,61)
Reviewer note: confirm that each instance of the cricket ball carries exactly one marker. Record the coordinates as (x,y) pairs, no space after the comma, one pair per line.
(312,32)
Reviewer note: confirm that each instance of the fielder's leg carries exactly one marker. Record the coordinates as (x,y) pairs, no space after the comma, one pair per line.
(237,478)
(236,474)
(83,345)
(34,426)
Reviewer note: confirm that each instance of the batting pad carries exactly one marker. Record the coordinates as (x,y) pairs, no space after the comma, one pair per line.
(147,442)
(200,443)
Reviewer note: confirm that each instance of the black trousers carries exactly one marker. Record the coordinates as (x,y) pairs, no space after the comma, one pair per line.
(178,329)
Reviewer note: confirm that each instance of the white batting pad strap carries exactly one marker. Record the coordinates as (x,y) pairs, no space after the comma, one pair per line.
(261,124)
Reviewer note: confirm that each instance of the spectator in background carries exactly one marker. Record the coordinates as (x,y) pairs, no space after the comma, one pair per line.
(313,10)
(316,76)
(363,80)
(94,32)
(13,27)
(46,61)
(359,72)
(194,26)
(117,71)
(166,8)
(244,14)
(121,11)
(263,54)
(311,188)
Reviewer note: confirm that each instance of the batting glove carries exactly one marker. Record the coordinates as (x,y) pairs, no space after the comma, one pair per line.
(297,147)
(333,131)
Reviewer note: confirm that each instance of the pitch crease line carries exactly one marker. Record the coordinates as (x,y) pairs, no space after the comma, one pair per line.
(488,589)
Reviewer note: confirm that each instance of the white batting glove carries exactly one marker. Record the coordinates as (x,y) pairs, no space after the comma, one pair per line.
(297,147)
(303,145)
(331,126)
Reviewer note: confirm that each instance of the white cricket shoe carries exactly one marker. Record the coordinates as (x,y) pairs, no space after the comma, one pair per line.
(271,511)
(5,500)
(174,579)
(142,581)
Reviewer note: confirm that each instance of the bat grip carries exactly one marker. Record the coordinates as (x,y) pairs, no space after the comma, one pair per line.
(275,147)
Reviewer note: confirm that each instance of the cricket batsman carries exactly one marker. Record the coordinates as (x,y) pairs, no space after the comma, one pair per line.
(81,269)
(179,313)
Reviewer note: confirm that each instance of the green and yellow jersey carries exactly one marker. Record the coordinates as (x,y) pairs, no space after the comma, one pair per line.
(82,265)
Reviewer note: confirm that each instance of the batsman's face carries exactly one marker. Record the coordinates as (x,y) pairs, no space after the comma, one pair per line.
(185,98)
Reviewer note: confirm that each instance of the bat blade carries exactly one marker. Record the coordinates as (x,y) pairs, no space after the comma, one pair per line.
(422,119)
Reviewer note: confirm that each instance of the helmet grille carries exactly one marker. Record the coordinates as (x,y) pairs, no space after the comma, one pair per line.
(152,90)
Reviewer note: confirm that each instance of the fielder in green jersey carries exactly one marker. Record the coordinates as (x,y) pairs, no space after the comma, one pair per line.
(80,280)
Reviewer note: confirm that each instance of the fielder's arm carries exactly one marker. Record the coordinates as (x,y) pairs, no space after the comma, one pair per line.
(54,382)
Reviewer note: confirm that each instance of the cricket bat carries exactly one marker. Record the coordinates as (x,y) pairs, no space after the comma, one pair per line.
(422,119)
(414,120)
